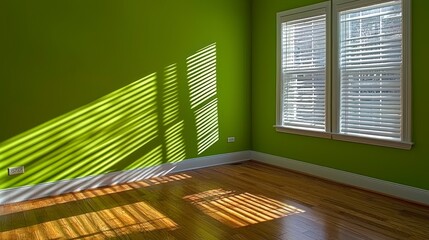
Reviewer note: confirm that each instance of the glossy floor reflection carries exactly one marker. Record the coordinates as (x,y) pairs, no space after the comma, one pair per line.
(242,201)
(239,209)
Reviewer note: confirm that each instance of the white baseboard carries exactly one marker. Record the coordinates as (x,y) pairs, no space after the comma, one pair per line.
(24,193)
(400,191)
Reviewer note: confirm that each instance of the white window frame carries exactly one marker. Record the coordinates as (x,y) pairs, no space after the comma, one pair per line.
(333,77)
(294,14)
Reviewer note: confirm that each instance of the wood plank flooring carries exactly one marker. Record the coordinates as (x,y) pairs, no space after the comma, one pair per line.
(242,201)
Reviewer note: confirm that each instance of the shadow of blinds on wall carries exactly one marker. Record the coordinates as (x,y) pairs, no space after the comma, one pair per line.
(201,70)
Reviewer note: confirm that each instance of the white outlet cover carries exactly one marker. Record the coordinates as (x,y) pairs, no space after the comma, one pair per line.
(15,170)
(231,139)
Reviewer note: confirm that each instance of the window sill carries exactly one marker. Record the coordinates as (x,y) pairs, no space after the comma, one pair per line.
(304,132)
(373,141)
(347,138)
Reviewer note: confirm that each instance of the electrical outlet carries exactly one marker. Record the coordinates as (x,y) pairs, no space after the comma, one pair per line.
(231,139)
(15,170)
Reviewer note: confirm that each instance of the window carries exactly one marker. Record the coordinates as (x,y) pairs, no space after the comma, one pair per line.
(303,72)
(303,64)
(367,97)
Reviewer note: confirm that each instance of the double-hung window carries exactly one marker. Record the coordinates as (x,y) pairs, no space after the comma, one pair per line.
(351,83)
(304,69)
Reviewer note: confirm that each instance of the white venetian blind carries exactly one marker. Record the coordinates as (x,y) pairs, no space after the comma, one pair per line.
(370,70)
(303,69)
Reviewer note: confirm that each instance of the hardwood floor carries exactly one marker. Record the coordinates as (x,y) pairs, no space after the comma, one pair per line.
(243,201)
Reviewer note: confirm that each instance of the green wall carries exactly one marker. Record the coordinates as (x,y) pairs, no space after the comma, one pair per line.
(400,166)
(91,87)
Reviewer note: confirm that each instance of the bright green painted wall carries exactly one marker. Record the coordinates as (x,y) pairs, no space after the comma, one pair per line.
(74,61)
(400,166)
